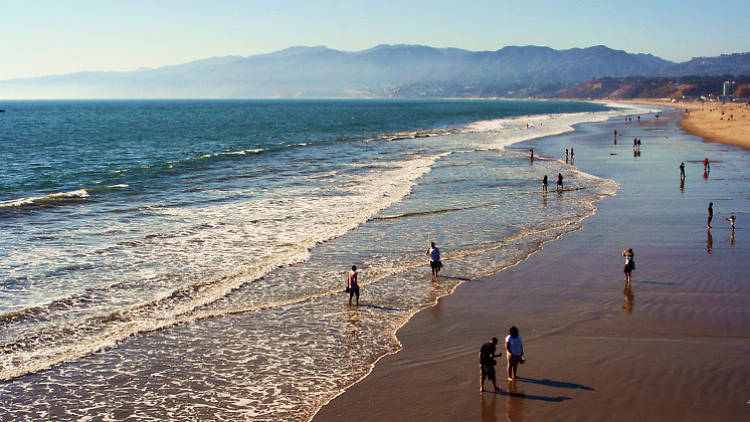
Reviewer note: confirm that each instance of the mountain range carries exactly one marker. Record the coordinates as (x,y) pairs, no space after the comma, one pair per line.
(381,71)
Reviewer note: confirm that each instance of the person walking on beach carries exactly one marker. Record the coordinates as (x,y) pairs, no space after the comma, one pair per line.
(706,165)
(351,284)
(559,181)
(566,156)
(435,263)
(629,263)
(710,215)
(544,184)
(682,170)
(571,155)
(487,364)
(514,347)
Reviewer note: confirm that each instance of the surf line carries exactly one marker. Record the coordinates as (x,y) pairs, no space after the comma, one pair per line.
(415,213)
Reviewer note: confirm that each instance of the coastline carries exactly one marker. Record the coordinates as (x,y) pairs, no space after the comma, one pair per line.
(573,288)
(715,122)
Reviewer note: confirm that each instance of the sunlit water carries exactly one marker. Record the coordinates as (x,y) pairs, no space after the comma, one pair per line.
(221,232)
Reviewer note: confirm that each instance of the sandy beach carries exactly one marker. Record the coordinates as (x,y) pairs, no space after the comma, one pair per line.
(671,346)
(716,122)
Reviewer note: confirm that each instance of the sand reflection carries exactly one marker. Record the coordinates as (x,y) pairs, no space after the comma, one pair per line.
(487,407)
(629,298)
(514,406)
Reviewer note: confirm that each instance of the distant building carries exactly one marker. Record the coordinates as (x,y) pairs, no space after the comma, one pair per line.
(726,90)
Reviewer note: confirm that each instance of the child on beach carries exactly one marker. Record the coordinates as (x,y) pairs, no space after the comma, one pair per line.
(544,184)
(559,181)
(731,220)
(629,263)
(710,215)
(514,346)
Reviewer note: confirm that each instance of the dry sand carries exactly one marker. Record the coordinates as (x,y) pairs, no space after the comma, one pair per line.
(672,346)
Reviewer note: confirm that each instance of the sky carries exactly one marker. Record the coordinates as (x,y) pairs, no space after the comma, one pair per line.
(41,37)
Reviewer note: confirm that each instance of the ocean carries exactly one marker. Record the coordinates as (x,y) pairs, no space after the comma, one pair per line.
(186,260)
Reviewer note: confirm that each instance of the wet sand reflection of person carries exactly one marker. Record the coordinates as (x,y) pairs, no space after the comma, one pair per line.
(514,406)
(353,330)
(682,184)
(731,238)
(709,242)
(629,298)
(487,408)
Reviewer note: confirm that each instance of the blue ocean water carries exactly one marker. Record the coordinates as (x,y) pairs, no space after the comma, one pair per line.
(128,217)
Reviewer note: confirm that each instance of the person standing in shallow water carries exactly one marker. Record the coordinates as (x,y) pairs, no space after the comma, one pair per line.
(559,181)
(682,170)
(514,347)
(710,215)
(544,184)
(629,263)
(487,364)
(435,263)
(351,284)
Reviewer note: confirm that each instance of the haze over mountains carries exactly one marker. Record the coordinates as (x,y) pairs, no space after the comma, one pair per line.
(382,71)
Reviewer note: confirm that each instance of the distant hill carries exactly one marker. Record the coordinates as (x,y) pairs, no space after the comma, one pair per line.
(691,87)
(382,71)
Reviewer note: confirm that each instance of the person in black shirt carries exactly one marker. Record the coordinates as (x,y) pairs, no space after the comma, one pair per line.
(710,214)
(487,364)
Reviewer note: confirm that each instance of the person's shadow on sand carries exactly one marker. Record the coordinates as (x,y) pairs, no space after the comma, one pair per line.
(532,397)
(558,384)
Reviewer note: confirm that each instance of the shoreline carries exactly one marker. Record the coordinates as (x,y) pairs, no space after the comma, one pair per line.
(710,120)
(462,315)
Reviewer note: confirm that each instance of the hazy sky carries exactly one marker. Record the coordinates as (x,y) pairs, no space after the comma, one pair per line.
(40,37)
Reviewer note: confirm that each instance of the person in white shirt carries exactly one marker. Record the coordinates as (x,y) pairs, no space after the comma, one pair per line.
(514,347)
(435,263)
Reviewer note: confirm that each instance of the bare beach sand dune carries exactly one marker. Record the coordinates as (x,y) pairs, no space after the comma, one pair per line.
(671,346)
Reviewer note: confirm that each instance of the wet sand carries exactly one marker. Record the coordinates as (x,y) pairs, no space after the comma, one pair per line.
(674,345)
(716,122)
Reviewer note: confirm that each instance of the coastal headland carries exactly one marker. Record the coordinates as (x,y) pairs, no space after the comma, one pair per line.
(671,345)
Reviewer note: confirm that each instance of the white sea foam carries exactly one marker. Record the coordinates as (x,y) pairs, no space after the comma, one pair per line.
(286,227)
(53,197)
(512,130)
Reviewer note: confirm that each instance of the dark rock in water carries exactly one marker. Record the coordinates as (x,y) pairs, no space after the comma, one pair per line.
(2,111)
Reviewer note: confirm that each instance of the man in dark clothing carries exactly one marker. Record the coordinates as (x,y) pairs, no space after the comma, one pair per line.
(710,214)
(487,364)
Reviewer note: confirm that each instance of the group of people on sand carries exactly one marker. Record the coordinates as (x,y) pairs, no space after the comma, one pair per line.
(488,352)
(710,214)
